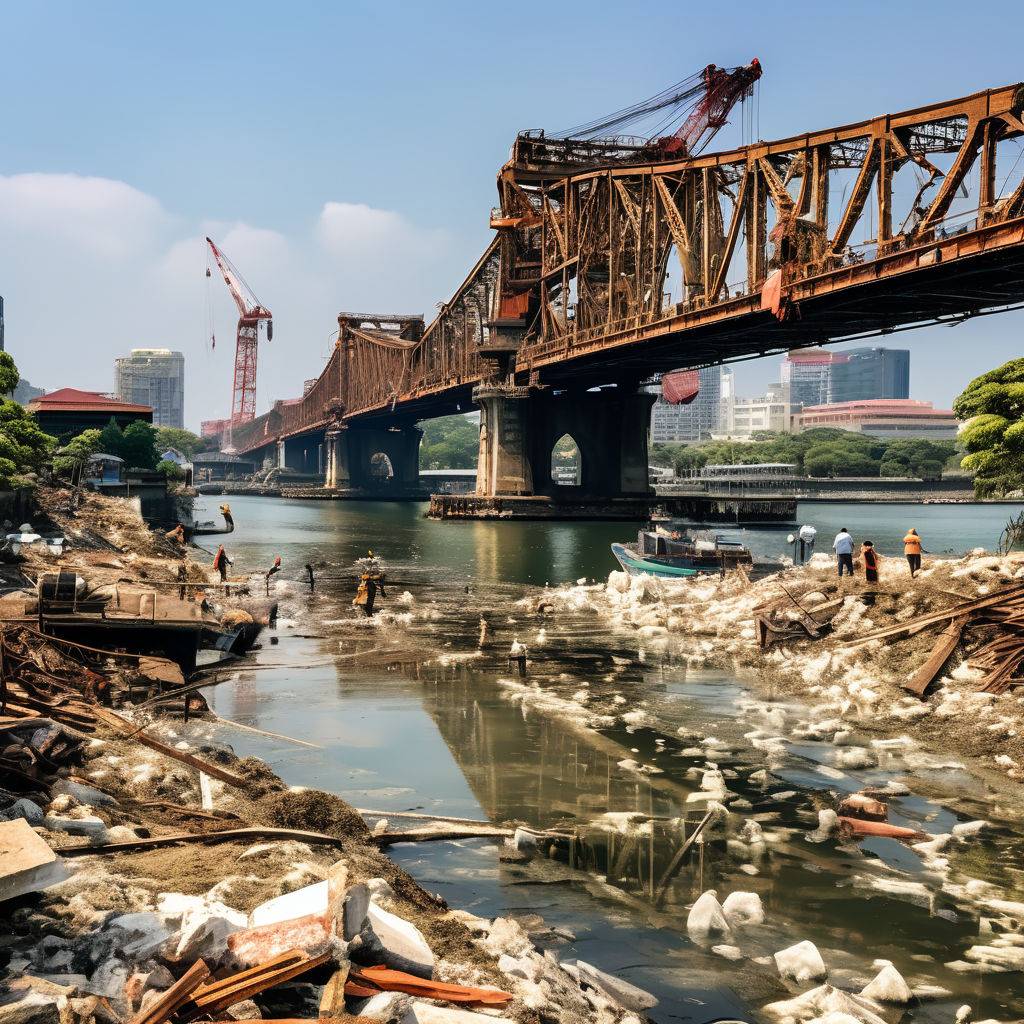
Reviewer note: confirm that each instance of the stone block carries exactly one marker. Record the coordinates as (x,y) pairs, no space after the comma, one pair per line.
(205,930)
(26,809)
(83,794)
(27,864)
(32,1008)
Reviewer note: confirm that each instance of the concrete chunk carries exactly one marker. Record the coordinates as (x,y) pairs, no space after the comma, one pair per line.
(310,899)
(390,940)
(26,809)
(83,794)
(33,1008)
(27,864)
(628,996)
(205,931)
(312,934)
(425,1013)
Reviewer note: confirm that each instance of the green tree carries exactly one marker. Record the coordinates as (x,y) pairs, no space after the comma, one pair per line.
(72,459)
(993,405)
(9,375)
(171,470)
(112,439)
(450,442)
(138,446)
(24,448)
(182,440)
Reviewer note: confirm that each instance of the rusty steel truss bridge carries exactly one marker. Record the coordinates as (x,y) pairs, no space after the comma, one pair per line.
(608,269)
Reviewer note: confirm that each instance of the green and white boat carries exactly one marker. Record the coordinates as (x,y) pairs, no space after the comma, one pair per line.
(674,553)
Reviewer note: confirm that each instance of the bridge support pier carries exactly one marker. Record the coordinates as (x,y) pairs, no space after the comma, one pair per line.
(337,470)
(384,459)
(519,427)
(281,456)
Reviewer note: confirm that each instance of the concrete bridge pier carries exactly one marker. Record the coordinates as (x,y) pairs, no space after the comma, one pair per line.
(383,459)
(336,474)
(520,427)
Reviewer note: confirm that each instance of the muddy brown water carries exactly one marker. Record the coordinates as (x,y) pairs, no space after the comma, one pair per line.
(406,716)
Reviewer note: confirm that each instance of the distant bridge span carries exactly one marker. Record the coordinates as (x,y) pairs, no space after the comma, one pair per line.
(576,289)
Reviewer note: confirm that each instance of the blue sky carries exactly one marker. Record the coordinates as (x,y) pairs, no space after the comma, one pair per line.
(345,154)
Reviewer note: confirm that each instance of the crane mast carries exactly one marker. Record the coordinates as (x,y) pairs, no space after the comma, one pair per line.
(251,313)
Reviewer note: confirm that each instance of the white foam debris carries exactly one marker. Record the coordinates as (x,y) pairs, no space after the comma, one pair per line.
(743,909)
(826,1003)
(888,986)
(706,917)
(801,962)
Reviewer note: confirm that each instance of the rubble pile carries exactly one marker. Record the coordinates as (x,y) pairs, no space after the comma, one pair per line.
(938,657)
(147,874)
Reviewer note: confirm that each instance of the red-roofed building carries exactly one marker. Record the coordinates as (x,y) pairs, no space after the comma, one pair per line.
(884,417)
(65,413)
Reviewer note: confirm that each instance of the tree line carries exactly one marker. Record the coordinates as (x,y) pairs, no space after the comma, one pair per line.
(821,452)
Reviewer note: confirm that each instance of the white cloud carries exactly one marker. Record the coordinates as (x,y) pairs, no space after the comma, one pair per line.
(92,267)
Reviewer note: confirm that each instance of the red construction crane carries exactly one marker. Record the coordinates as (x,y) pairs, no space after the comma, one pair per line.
(250,314)
(721,89)
(703,102)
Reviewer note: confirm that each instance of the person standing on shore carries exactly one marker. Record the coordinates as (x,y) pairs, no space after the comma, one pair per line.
(870,556)
(912,549)
(843,547)
(807,535)
(221,563)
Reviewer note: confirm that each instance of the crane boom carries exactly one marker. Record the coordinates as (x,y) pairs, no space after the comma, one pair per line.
(250,314)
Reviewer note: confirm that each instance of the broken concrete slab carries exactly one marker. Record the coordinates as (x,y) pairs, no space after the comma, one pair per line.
(33,1008)
(310,899)
(83,794)
(427,1013)
(394,942)
(205,931)
(90,826)
(628,996)
(312,935)
(384,1007)
(27,864)
(141,935)
(354,911)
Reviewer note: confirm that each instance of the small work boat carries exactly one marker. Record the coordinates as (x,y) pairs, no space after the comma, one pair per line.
(673,552)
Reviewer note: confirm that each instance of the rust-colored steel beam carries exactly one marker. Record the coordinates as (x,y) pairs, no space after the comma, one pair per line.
(575,286)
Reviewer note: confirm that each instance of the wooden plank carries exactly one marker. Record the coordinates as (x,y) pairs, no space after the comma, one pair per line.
(224,836)
(944,647)
(677,860)
(332,999)
(219,995)
(175,997)
(123,726)
(989,601)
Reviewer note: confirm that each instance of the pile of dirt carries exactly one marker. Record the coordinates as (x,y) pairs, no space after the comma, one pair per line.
(315,811)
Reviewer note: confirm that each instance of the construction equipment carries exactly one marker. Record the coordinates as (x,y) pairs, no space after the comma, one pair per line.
(703,102)
(251,314)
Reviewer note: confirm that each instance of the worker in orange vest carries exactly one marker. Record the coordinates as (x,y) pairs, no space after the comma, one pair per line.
(912,549)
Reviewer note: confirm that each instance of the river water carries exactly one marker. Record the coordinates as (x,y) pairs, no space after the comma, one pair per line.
(409,712)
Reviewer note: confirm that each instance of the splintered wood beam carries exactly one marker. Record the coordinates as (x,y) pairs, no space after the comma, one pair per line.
(947,642)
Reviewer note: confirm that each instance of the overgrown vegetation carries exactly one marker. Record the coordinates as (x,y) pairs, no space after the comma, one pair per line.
(993,405)
(823,452)
(24,448)
(136,444)
(181,440)
(450,442)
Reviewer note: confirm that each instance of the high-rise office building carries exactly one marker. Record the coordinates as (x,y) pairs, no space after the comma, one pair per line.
(807,374)
(871,373)
(154,377)
(684,424)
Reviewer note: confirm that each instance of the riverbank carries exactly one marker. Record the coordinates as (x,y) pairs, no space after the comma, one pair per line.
(845,677)
(143,890)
